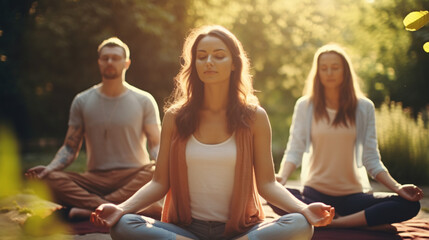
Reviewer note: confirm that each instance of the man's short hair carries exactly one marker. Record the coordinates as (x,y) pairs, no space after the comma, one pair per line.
(114,42)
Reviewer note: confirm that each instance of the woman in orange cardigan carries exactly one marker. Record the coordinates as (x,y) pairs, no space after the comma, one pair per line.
(215,158)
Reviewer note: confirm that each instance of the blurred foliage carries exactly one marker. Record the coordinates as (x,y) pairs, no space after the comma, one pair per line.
(17,207)
(9,163)
(51,50)
(403,143)
(48,52)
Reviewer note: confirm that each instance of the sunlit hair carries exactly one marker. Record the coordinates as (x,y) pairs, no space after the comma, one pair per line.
(187,97)
(114,42)
(349,89)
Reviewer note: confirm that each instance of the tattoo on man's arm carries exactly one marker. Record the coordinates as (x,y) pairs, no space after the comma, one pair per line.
(67,153)
(74,140)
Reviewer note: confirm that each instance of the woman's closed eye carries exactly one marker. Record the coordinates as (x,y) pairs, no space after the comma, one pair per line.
(202,56)
(327,68)
(217,56)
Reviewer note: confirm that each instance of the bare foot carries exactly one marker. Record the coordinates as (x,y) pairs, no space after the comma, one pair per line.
(79,213)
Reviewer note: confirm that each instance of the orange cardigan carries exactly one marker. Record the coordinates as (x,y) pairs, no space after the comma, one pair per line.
(245,209)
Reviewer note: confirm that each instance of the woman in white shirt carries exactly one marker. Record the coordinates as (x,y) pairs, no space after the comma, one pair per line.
(214,158)
(333,136)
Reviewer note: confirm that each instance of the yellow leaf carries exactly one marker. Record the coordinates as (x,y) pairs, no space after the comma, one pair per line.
(416,20)
(426,47)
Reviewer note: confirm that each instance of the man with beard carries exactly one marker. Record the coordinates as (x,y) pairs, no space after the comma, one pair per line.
(119,123)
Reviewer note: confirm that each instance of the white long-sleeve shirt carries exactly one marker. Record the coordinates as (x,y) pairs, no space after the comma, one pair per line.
(366,147)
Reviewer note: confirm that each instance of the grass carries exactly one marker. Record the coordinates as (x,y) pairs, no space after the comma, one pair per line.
(403,143)
(44,157)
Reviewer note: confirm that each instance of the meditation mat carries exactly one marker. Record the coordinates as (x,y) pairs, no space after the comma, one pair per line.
(412,229)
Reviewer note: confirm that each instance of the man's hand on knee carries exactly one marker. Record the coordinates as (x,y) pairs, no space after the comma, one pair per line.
(37,172)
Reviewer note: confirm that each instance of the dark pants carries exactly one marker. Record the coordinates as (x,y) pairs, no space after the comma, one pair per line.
(379,207)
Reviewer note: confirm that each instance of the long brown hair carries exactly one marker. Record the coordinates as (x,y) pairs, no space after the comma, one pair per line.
(349,89)
(188,92)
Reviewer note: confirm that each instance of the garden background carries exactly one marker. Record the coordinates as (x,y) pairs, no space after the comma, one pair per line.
(48,55)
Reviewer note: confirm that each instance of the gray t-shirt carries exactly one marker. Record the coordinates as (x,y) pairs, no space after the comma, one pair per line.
(113,126)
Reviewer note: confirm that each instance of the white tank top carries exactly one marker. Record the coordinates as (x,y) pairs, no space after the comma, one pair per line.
(211,170)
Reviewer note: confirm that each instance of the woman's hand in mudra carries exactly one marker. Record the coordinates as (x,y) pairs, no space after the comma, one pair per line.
(106,215)
(410,192)
(319,214)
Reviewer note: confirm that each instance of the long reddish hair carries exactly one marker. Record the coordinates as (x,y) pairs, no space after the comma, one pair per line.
(349,89)
(188,93)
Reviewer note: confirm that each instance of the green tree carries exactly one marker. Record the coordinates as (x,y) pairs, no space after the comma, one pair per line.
(52,53)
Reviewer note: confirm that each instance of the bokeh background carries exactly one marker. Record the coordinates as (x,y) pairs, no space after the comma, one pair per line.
(48,55)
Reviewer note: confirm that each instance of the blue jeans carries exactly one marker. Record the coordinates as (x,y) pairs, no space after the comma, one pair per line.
(131,226)
(379,207)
